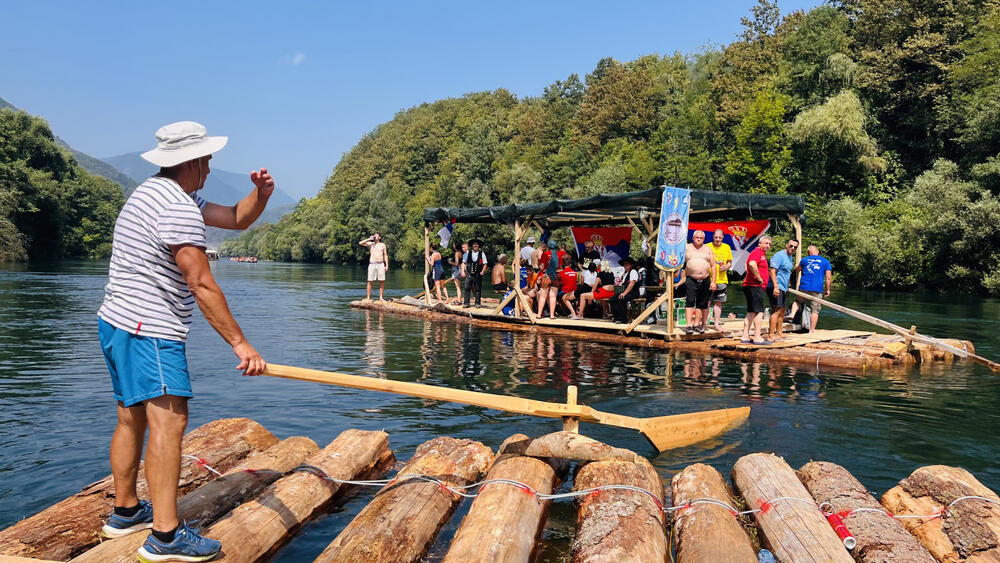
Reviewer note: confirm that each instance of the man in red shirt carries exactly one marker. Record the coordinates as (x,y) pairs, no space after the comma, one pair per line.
(568,279)
(753,289)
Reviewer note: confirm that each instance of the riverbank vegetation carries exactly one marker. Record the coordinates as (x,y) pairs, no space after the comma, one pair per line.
(885,114)
(50,207)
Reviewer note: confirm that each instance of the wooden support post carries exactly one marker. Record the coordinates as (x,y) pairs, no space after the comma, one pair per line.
(670,303)
(649,311)
(571,423)
(909,339)
(516,263)
(504,302)
(879,538)
(211,501)
(524,303)
(793,528)
(401,522)
(69,527)
(427,266)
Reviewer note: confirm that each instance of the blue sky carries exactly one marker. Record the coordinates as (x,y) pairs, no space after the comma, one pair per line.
(295,85)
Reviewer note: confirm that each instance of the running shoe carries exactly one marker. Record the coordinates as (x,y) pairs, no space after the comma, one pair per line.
(187,546)
(119,526)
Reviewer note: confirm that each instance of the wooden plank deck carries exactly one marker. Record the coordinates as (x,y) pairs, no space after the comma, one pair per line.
(792,340)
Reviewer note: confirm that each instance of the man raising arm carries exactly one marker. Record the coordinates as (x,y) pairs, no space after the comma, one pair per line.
(158,270)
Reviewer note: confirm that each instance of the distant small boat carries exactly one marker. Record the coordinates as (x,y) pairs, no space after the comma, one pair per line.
(212,254)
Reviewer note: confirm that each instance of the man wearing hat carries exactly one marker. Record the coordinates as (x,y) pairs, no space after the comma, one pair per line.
(528,250)
(158,271)
(473,268)
(630,290)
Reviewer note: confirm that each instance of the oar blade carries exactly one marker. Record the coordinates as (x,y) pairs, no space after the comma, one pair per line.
(679,430)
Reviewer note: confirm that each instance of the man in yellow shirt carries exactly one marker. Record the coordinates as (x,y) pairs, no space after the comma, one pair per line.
(723,261)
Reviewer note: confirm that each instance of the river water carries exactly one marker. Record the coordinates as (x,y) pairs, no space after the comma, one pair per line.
(57,412)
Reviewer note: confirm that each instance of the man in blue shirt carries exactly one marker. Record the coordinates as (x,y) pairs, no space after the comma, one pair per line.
(817,277)
(781,264)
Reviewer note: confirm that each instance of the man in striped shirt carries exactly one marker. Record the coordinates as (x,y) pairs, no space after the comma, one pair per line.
(158,271)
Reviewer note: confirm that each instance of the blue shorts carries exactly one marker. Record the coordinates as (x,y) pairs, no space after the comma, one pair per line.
(143,367)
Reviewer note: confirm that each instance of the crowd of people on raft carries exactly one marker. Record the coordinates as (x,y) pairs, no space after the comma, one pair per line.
(556,282)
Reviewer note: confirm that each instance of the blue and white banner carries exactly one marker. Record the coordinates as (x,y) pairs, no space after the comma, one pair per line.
(671,242)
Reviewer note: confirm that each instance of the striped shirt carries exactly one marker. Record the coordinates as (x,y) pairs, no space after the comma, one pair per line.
(146,292)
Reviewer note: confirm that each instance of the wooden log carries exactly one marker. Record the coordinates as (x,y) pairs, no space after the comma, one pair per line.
(707,532)
(879,537)
(568,445)
(208,503)
(255,529)
(619,525)
(401,522)
(793,528)
(967,531)
(69,527)
(505,522)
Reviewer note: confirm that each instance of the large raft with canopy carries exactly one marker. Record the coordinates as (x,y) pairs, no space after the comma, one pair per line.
(852,350)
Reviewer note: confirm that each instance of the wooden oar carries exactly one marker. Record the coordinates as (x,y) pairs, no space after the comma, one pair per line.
(664,432)
(900,330)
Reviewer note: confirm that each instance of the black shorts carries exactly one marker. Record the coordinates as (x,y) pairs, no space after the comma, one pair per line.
(500,287)
(755,298)
(778,302)
(698,292)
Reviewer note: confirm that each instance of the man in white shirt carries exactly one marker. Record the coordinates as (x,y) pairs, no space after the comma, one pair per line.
(158,270)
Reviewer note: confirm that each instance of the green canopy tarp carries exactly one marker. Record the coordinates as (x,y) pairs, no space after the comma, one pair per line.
(618,208)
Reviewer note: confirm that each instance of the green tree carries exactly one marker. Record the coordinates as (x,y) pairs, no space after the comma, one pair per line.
(757,162)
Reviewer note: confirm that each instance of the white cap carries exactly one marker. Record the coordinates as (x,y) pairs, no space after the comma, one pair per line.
(182,141)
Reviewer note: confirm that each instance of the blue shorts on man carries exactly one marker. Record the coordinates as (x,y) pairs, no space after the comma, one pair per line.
(143,367)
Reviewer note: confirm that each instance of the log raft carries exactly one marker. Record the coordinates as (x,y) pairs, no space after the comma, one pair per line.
(504,522)
(707,531)
(793,528)
(208,503)
(879,536)
(401,522)
(968,530)
(71,526)
(852,351)
(959,518)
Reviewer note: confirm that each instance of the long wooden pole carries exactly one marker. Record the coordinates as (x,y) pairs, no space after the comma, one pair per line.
(900,330)
(664,432)
(670,303)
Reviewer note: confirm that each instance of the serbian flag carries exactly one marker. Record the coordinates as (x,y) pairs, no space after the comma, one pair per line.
(612,243)
(741,236)
(445,232)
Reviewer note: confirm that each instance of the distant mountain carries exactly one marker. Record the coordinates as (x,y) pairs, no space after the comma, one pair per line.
(90,164)
(222,186)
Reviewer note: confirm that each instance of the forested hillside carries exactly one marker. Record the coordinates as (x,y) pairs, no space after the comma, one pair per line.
(50,207)
(884,113)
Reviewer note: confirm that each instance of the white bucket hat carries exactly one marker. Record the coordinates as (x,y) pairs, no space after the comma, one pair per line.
(182,141)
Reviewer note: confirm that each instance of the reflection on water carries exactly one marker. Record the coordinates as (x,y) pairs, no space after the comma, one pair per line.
(56,410)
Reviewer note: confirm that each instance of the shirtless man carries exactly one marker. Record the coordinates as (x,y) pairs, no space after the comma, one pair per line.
(500,274)
(699,261)
(378,264)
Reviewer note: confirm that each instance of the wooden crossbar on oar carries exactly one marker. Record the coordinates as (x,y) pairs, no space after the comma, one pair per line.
(900,330)
(663,432)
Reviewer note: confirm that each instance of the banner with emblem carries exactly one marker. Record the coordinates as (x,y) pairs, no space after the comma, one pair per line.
(611,243)
(741,236)
(671,241)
